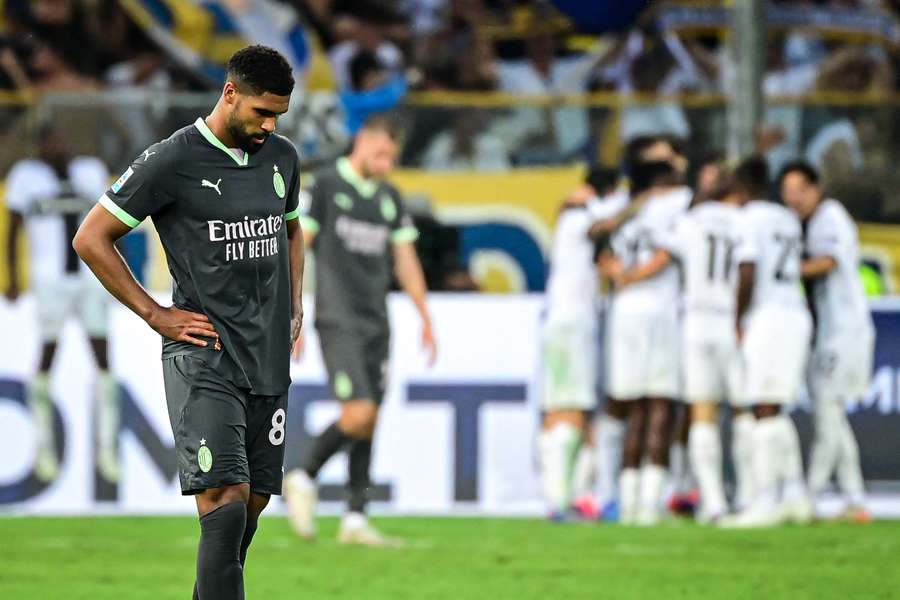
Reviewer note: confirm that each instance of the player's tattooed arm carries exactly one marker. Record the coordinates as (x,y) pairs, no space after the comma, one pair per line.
(820,266)
(95,243)
(297,258)
(659,261)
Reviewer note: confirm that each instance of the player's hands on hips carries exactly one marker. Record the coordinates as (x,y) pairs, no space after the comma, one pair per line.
(429,342)
(183,326)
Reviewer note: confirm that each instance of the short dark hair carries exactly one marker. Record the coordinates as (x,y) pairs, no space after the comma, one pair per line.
(261,69)
(386,123)
(602,179)
(799,166)
(636,147)
(362,64)
(752,176)
(647,174)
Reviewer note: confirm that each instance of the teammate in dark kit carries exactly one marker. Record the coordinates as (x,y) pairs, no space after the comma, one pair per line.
(355,224)
(223,194)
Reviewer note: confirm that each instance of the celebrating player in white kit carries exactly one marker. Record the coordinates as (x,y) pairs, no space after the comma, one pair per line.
(643,343)
(707,242)
(841,363)
(569,355)
(776,328)
(49,195)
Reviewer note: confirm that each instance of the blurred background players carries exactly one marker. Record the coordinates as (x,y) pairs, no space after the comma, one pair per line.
(361,236)
(49,195)
(706,243)
(569,353)
(842,357)
(643,338)
(774,327)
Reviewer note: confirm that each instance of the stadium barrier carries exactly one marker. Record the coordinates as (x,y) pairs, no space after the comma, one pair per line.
(456,438)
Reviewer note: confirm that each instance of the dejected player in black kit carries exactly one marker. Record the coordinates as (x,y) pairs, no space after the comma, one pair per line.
(223,194)
(361,236)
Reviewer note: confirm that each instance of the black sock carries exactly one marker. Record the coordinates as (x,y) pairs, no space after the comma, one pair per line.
(324,447)
(220,575)
(249,530)
(360,459)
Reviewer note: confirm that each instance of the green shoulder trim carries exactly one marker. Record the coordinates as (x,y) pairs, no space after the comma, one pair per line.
(117,211)
(365,187)
(206,132)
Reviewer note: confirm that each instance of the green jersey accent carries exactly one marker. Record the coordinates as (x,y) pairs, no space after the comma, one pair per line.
(222,226)
(204,129)
(356,221)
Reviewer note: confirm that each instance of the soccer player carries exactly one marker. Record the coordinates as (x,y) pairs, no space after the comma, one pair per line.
(706,243)
(223,194)
(842,356)
(569,357)
(643,342)
(49,195)
(355,223)
(774,326)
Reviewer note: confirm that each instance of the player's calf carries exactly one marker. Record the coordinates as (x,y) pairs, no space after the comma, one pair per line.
(223,524)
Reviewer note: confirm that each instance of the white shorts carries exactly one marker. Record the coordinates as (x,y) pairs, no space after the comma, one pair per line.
(711,362)
(774,350)
(569,366)
(841,368)
(642,354)
(78,295)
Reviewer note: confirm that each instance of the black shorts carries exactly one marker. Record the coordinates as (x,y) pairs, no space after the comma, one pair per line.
(356,361)
(224,435)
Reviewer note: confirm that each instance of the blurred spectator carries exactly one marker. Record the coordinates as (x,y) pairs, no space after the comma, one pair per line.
(546,134)
(467,146)
(373,89)
(366,36)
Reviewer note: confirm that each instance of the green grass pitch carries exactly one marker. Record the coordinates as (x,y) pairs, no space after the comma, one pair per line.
(456,558)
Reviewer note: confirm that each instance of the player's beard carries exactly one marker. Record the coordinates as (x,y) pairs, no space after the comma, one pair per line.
(243,139)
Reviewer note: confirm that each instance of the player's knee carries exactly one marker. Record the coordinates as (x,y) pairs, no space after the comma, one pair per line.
(704,412)
(575,418)
(213,498)
(358,419)
(765,411)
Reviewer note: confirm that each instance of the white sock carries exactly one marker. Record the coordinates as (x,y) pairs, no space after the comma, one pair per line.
(610,436)
(557,448)
(828,415)
(792,461)
(849,470)
(653,481)
(38,397)
(705,444)
(742,427)
(583,472)
(679,467)
(767,461)
(108,412)
(629,493)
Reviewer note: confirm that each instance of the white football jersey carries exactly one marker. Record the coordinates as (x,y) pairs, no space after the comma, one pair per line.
(774,244)
(52,208)
(572,284)
(708,243)
(605,207)
(839,298)
(636,241)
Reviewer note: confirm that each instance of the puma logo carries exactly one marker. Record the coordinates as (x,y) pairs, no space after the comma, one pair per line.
(208,184)
(147,154)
